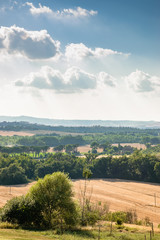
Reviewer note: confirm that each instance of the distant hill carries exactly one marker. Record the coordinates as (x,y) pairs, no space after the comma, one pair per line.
(62,122)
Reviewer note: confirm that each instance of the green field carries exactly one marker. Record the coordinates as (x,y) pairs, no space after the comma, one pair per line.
(119,234)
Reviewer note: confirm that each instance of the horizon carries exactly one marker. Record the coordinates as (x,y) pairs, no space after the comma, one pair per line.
(80,60)
(44,118)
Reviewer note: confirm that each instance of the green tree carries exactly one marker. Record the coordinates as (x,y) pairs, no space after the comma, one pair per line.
(59,148)
(69,148)
(105,146)
(54,195)
(13,174)
(94,145)
(157,170)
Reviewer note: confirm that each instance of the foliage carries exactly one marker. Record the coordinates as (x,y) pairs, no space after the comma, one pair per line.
(17,169)
(12,175)
(120,216)
(49,204)
(54,196)
(23,211)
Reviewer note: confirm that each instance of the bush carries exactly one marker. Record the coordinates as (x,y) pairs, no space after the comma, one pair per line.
(12,175)
(126,217)
(23,211)
(94,212)
(119,221)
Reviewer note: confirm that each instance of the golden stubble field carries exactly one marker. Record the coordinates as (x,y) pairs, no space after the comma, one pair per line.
(12,133)
(121,195)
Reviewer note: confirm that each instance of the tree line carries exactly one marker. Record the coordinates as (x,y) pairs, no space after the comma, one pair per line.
(26,126)
(22,168)
(53,140)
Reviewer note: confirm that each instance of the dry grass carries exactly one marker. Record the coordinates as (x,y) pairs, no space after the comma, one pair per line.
(121,195)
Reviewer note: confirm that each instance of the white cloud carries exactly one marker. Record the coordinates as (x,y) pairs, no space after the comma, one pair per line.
(32,44)
(105,78)
(78,12)
(80,52)
(68,12)
(40,10)
(73,80)
(140,81)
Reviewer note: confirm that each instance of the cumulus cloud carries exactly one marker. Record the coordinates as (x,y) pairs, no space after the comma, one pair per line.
(69,12)
(32,44)
(140,81)
(105,78)
(73,80)
(80,51)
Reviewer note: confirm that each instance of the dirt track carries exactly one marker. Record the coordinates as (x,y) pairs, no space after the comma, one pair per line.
(121,195)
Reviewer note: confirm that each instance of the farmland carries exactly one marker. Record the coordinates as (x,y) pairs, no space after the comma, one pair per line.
(120,195)
(12,133)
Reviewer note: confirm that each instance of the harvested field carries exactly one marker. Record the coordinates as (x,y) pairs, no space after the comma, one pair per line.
(121,195)
(86,148)
(12,133)
(135,145)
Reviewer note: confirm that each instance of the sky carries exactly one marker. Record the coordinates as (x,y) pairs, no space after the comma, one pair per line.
(80,59)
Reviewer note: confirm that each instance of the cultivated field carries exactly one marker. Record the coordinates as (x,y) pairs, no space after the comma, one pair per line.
(121,195)
(12,133)
(87,148)
(135,145)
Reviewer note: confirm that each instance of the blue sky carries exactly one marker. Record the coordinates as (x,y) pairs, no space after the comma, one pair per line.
(78,59)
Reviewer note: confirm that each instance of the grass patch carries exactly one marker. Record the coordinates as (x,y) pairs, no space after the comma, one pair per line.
(19,234)
(7,225)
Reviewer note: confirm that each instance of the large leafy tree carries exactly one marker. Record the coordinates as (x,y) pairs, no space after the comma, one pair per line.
(54,195)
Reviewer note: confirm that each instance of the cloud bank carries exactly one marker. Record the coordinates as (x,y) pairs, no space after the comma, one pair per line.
(32,44)
(73,80)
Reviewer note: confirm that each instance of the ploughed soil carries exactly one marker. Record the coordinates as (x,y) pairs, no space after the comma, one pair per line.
(120,195)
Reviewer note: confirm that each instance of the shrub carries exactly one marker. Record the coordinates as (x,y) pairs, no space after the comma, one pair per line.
(126,217)
(23,211)
(119,221)
(94,212)
(12,175)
